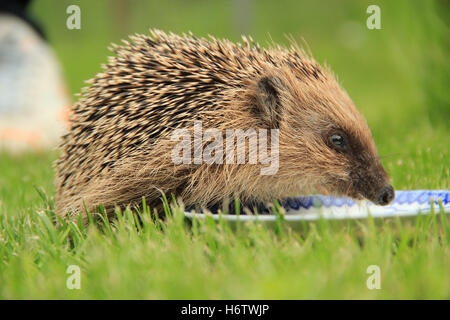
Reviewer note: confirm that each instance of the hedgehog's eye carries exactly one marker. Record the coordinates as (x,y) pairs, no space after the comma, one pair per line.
(338,141)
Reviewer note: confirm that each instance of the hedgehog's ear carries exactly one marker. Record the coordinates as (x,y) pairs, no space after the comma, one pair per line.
(268,99)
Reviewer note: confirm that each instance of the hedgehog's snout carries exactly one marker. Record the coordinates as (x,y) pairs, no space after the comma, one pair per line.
(385,195)
(378,189)
(371,183)
(380,194)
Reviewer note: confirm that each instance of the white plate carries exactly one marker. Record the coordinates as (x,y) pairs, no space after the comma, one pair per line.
(309,208)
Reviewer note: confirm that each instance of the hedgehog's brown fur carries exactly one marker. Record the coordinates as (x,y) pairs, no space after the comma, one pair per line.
(118,147)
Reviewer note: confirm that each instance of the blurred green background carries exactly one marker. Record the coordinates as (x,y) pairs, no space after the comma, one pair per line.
(399,76)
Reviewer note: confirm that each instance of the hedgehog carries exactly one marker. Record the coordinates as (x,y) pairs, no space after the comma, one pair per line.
(118,149)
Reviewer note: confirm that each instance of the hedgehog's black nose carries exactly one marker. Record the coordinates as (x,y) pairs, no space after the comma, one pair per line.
(385,196)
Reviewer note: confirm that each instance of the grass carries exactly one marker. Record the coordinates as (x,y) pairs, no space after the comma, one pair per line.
(174,259)
(204,260)
(398,78)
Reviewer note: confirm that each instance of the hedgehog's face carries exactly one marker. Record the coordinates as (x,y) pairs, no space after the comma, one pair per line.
(324,139)
(352,167)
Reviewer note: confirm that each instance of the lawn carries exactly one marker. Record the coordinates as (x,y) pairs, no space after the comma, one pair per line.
(205,260)
(398,77)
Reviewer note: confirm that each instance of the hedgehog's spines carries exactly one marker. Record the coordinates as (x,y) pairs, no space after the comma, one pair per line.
(154,84)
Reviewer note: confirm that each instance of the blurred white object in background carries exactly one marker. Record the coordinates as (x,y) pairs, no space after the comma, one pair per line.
(33,95)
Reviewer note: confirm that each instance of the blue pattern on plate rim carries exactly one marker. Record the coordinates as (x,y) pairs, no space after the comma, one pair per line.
(406,197)
(406,201)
